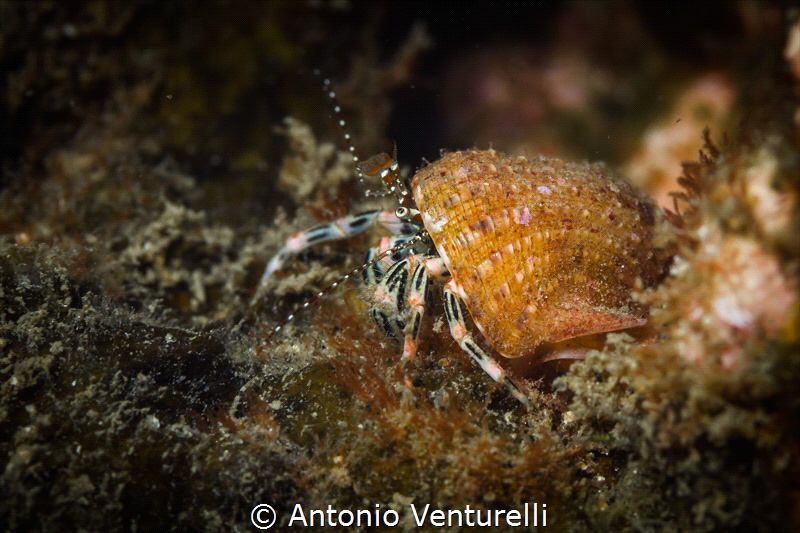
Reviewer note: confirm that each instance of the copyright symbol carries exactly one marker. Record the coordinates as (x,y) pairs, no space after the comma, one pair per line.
(263,516)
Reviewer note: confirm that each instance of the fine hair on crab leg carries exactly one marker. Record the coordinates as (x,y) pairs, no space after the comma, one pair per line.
(459,331)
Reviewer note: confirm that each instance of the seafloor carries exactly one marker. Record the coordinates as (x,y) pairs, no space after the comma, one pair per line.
(156,154)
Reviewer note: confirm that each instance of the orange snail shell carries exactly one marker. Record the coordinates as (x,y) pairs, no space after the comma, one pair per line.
(543,250)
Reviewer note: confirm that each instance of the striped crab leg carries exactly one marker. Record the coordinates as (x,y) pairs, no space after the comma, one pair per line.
(425,267)
(459,331)
(377,269)
(405,285)
(403,292)
(343,228)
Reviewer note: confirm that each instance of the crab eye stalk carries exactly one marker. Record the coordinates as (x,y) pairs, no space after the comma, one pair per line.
(408,214)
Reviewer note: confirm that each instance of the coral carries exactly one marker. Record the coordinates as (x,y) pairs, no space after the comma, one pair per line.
(710,397)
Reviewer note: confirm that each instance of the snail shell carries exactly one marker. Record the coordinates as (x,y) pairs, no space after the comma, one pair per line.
(541,249)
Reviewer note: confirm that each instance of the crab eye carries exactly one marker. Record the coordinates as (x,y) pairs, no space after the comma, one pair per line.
(402,212)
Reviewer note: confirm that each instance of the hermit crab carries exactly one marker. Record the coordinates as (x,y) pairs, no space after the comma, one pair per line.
(535,250)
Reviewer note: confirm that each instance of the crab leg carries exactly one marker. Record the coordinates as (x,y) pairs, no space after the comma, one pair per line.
(342,228)
(426,267)
(459,331)
(416,308)
(376,271)
(390,296)
(404,290)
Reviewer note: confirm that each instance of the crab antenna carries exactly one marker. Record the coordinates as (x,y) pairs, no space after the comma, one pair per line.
(337,109)
(374,164)
(402,246)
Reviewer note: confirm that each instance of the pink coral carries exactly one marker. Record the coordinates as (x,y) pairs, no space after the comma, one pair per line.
(745,296)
